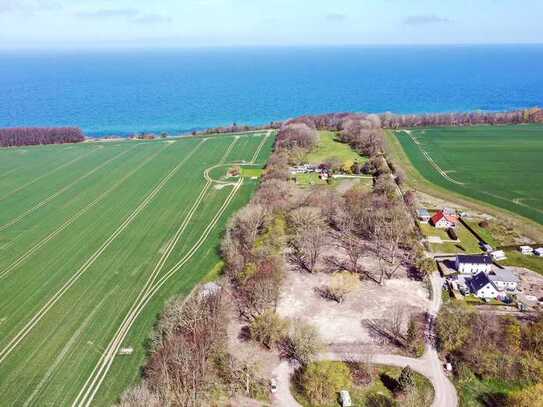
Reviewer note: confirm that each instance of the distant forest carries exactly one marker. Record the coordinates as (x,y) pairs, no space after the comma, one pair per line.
(337,121)
(28,136)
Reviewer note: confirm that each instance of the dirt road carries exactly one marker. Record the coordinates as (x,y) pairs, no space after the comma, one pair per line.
(429,365)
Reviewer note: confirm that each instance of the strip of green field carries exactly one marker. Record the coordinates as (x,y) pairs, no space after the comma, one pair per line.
(122,220)
(499,165)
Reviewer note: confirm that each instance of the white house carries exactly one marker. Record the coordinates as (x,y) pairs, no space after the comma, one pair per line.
(539,252)
(526,250)
(443,221)
(482,287)
(473,264)
(498,255)
(504,280)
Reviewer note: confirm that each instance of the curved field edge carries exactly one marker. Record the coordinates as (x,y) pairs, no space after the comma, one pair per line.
(417,181)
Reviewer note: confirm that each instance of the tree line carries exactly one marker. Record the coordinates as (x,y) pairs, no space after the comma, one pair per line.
(388,120)
(494,347)
(27,136)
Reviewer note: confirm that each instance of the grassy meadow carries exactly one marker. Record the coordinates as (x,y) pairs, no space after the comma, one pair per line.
(497,165)
(83,229)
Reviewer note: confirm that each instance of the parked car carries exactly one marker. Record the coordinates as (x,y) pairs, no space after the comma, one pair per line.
(273,385)
(345,398)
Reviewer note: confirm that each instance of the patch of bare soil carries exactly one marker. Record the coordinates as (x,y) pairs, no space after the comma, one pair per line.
(347,323)
(530,282)
(243,349)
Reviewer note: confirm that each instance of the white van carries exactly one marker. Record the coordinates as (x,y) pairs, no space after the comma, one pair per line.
(345,398)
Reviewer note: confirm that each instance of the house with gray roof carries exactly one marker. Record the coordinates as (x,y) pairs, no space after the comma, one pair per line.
(504,280)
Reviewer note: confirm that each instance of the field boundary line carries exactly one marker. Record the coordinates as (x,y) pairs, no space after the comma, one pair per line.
(89,395)
(431,160)
(88,263)
(50,172)
(77,215)
(91,386)
(62,190)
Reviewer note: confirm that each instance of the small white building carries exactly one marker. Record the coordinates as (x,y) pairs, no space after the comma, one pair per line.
(423,215)
(473,264)
(498,255)
(482,287)
(504,280)
(539,252)
(527,250)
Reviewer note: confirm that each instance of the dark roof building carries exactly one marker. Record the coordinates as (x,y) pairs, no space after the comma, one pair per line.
(473,259)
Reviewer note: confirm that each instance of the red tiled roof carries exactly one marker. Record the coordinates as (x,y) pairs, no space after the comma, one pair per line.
(440,215)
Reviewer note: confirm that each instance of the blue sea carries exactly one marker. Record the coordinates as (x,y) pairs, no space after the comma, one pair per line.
(120,92)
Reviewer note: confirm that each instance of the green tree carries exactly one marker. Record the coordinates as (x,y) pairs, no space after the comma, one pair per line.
(322,381)
(303,342)
(529,397)
(268,328)
(454,326)
(406,379)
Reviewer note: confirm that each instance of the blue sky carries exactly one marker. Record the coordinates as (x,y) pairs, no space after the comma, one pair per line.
(185,23)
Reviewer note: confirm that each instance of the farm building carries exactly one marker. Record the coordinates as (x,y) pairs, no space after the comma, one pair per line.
(442,221)
(504,280)
(483,287)
(498,255)
(539,252)
(423,215)
(472,264)
(526,250)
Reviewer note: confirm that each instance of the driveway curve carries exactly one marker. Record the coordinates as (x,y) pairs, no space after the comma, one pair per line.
(429,365)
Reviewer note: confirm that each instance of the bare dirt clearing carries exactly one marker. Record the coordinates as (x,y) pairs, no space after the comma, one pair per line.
(345,323)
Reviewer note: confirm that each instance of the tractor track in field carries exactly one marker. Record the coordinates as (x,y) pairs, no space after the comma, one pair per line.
(62,190)
(92,386)
(6,351)
(151,287)
(4,197)
(431,160)
(52,235)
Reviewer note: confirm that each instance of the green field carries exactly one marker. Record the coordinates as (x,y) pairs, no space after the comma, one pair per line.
(94,239)
(498,165)
(330,148)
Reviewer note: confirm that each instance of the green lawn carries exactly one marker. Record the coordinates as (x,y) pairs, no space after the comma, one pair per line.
(482,393)
(383,378)
(499,165)
(330,148)
(82,227)
(310,179)
(468,242)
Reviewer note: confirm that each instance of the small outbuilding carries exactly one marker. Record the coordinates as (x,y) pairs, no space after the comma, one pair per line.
(473,264)
(539,252)
(526,250)
(423,215)
(498,255)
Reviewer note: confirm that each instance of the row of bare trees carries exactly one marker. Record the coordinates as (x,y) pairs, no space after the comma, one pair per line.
(26,136)
(342,121)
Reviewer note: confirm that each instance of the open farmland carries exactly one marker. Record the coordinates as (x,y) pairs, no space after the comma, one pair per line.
(94,238)
(499,165)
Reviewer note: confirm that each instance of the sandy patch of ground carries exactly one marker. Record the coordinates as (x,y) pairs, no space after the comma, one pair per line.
(346,323)
(530,282)
(243,349)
